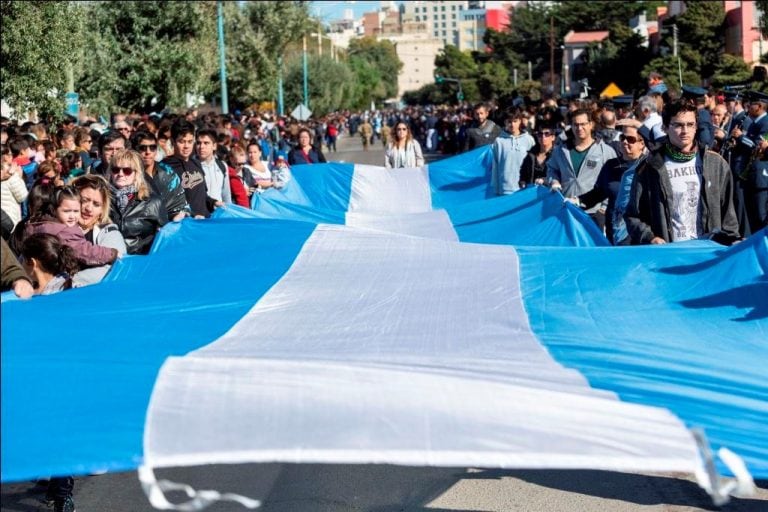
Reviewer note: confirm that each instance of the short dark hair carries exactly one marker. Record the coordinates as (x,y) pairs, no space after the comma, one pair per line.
(108,137)
(208,131)
(675,108)
(579,112)
(181,127)
(17,145)
(140,136)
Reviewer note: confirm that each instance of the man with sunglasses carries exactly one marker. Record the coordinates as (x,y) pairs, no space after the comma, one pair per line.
(161,178)
(682,191)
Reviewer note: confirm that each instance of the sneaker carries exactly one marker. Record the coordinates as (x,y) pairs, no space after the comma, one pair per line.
(64,505)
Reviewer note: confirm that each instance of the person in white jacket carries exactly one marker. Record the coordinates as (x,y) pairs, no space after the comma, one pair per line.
(13,191)
(403,150)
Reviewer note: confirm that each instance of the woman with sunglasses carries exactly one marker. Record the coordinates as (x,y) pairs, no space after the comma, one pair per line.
(534,168)
(615,181)
(136,209)
(97,227)
(403,150)
(161,178)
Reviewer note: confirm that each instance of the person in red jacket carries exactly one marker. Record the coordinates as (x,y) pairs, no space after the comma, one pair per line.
(239,178)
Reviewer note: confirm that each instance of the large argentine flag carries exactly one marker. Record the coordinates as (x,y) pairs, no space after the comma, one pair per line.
(450,199)
(280,340)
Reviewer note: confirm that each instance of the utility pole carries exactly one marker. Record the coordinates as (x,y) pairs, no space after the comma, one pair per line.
(552,53)
(306,83)
(222,60)
(674,40)
(280,106)
(675,53)
(319,39)
(514,74)
(530,71)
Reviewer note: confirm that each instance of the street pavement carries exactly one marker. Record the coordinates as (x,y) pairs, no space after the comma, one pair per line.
(383,488)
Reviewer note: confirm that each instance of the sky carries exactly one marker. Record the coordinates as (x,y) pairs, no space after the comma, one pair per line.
(332,10)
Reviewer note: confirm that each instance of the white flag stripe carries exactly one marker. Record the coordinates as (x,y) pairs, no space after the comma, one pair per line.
(379,348)
(375,189)
(434,224)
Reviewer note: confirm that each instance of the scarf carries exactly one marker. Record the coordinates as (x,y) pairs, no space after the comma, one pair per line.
(676,155)
(123,196)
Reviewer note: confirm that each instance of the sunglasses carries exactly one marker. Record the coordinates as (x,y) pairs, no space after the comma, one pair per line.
(628,138)
(545,134)
(125,171)
(148,147)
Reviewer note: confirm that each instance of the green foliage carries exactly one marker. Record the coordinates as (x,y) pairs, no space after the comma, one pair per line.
(251,74)
(668,67)
(429,94)
(39,42)
(701,37)
(331,84)
(762,6)
(148,51)
(367,54)
(731,70)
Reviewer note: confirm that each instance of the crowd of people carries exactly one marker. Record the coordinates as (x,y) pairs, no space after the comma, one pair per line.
(652,169)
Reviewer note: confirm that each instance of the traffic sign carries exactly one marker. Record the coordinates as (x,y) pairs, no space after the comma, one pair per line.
(301,112)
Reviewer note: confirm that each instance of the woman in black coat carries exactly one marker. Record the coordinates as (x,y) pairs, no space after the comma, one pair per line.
(136,209)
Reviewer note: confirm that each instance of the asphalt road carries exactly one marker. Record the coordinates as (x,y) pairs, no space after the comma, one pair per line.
(380,488)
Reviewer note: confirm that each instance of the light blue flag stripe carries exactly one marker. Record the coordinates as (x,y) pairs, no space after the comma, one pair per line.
(78,367)
(681,326)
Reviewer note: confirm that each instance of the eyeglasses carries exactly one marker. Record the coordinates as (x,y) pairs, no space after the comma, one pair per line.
(147,147)
(680,126)
(125,171)
(545,134)
(628,139)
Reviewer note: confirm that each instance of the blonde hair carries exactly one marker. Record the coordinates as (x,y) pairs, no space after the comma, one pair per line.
(100,184)
(132,158)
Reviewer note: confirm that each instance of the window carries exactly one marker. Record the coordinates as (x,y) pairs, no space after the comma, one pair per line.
(442,17)
(443,25)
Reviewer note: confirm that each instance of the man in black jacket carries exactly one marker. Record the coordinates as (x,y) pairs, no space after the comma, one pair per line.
(188,169)
(483,132)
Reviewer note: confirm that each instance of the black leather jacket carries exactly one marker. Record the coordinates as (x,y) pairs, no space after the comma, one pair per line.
(139,222)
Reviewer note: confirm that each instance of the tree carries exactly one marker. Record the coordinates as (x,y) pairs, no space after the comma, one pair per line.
(331,84)
(149,55)
(731,70)
(619,59)
(380,55)
(762,6)
(454,63)
(701,36)
(274,33)
(40,41)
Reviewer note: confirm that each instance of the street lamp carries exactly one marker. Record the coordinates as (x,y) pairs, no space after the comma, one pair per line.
(439,79)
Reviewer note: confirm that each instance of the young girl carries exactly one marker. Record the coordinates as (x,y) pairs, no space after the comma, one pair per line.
(60,218)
